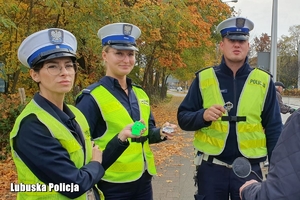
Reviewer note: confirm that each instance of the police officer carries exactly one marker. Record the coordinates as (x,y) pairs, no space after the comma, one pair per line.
(229,106)
(50,140)
(283,107)
(113,102)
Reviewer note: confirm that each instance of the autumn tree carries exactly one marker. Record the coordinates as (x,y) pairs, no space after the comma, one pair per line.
(287,64)
(287,54)
(177,36)
(179,40)
(259,44)
(208,14)
(262,44)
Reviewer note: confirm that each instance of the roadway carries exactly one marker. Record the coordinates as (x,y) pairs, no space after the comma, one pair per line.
(294,102)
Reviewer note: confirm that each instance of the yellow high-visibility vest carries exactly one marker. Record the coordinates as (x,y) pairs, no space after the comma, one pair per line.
(250,134)
(130,165)
(67,140)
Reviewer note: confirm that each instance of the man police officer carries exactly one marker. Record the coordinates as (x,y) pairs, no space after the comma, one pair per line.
(222,132)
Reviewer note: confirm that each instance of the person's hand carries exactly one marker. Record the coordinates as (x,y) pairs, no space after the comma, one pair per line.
(167,131)
(245,185)
(291,110)
(213,113)
(127,132)
(96,153)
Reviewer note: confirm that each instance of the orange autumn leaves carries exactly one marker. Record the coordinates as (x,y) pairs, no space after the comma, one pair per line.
(8,175)
(167,112)
(171,32)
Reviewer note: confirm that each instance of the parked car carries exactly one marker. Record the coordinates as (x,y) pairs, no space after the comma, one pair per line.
(179,89)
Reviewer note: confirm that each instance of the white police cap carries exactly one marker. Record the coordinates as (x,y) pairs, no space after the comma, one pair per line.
(121,36)
(45,45)
(236,28)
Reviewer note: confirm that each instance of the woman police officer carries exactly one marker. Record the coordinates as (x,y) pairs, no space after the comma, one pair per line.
(114,101)
(50,140)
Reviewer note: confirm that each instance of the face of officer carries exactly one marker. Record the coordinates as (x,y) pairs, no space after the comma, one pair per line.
(55,77)
(119,63)
(234,51)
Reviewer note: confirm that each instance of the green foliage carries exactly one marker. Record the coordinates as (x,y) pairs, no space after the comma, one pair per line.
(7,23)
(10,108)
(169,28)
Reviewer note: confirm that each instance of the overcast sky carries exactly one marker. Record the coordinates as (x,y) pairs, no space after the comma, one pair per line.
(260,12)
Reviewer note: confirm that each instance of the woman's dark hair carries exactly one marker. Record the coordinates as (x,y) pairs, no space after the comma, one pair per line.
(38,67)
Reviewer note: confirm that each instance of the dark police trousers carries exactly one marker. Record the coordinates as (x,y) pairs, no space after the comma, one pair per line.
(217,182)
(140,189)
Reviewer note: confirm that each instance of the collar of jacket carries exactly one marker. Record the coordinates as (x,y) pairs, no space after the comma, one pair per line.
(245,69)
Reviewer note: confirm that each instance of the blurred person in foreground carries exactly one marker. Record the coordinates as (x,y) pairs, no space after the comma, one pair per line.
(114,101)
(229,106)
(50,141)
(283,179)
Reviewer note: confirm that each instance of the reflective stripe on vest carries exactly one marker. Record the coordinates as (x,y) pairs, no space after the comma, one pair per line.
(130,165)
(63,135)
(250,135)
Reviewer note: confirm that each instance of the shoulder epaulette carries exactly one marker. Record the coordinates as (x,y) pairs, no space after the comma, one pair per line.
(136,85)
(265,71)
(90,88)
(202,69)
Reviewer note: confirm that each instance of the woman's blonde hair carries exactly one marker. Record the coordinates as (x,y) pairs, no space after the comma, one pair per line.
(106,48)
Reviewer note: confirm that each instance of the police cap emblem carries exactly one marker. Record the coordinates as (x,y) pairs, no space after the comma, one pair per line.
(240,22)
(56,36)
(127,29)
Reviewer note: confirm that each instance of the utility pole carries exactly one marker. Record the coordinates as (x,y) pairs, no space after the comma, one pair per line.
(273,57)
(298,65)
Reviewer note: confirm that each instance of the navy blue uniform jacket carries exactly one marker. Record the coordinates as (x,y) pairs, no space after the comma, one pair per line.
(47,158)
(190,112)
(283,180)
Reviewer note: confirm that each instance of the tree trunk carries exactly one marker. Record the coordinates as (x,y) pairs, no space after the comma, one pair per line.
(15,80)
(164,88)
